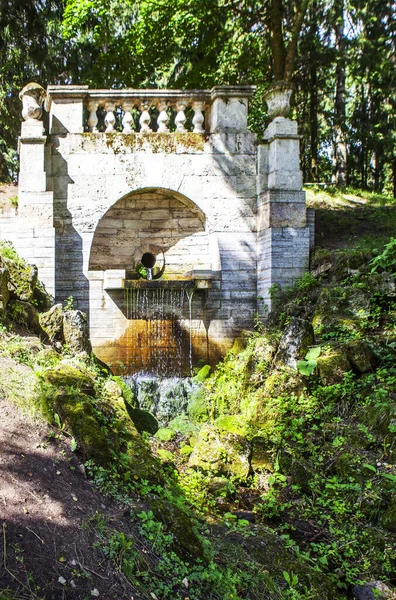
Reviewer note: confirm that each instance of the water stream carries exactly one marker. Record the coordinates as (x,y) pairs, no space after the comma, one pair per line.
(164,397)
(157,339)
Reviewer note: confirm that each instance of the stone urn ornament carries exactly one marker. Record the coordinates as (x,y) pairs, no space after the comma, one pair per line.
(32,97)
(278,98)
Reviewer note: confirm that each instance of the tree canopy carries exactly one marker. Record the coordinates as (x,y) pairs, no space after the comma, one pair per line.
(339,55)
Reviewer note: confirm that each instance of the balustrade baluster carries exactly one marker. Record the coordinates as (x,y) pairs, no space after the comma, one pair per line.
(110,117)
(180,117)
(198,118)
(162,117)
(145,118)
(93,117)
(127,121)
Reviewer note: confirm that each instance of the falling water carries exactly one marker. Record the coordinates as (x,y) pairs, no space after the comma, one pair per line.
(156,341)
(190,294)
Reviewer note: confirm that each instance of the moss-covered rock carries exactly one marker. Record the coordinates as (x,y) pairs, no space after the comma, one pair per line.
(202,374)
(331,367)
(4,292)
(340,307)
(77,413)
(241,342)
(143,420)
(360,355)
(267,552)
(388,519)
(262,457)
(25,314)
(179,523)
(221,453)
(52,323)
(75,332)
(64,375)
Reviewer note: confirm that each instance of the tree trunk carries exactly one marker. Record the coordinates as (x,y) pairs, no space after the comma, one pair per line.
(394,177)
(340,148)
(277,41)
(313,108)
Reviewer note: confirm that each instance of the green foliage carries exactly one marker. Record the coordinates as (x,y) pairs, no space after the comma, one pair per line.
(308,366)
(386,261)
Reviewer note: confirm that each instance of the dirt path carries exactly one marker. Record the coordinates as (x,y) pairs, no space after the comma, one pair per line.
(45,506)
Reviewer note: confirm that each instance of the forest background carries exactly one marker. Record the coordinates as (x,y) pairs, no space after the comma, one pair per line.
(340,56)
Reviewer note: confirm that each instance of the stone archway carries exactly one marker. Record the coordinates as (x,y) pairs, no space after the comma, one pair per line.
(147,220)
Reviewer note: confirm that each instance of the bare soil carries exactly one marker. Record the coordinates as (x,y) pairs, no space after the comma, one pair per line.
(46,503)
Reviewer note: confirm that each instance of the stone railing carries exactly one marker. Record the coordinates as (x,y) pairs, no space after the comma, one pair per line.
(147,110)
(76,108)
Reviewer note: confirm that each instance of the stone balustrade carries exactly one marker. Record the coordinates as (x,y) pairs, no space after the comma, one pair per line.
(75,109)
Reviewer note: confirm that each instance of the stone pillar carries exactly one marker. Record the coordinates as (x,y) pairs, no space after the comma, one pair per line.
(229,108)
(35,237)
(283,234)
(66,107)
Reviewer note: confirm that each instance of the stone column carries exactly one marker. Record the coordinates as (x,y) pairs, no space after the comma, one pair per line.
(283,234)
(35,235)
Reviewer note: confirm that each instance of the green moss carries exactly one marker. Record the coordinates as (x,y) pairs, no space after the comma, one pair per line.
(360,355)
(165,455)
(77,413)
(262,456)
(65,375)
(232,423)
(165,434)
(198,407)
(179,523)
(332,367)
(127,392)
(183,425)
(202,374)
(143,420)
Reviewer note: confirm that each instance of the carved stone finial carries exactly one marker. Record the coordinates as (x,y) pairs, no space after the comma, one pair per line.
(278,99)
(32,96)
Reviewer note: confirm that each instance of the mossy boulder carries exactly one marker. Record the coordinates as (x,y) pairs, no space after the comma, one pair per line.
(75,332)
(221,453)
(266,551)
(331,367)
(125,439)
(360,355)
(241,342)
(347,262)
(25,314)
(262,457)
(52,323)
(143,420)
(4,292)
(340,307)
(77,413)
(179,523)
(64,375)
(388,519)
(260,361)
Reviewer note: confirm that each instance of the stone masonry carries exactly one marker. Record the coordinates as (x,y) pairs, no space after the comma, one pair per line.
(106,180)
